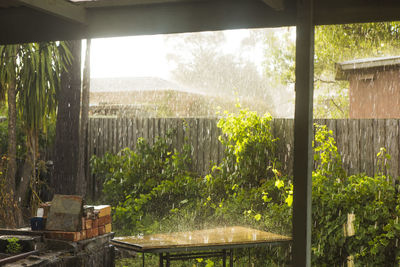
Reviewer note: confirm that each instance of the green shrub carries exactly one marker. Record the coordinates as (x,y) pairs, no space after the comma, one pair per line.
(13,246)
(245,183)
(373,201)
(21,142)
(146,186)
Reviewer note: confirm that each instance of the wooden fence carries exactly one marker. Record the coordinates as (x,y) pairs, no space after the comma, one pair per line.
(358,141)
(113,134)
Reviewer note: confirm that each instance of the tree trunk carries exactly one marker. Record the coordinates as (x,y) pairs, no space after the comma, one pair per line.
(28,175)
(67,127)
(12,135)
(14,203)
(82,182)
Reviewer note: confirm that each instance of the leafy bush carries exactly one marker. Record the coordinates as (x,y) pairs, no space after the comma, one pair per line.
(373,201)
(250,148)
(248,181)
(21,142)
(248,188)
(13,246)
(147,185)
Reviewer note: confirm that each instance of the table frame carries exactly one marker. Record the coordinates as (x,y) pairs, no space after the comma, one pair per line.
(184,253)
(187,256)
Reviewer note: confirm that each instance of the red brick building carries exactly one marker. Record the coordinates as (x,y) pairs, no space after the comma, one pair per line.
(374,89)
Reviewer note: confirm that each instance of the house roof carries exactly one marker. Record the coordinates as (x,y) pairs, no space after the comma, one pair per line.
(344,68)
(42,20)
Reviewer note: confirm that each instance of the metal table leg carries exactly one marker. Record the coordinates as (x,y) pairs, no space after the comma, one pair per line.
(143,258)
(224,258)
(231,257)
(249,258)
(168,260)
(161,256)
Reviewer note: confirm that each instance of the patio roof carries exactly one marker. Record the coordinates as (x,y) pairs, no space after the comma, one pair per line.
(35,20)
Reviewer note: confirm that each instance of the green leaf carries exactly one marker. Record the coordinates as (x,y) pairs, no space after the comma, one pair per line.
(279,183)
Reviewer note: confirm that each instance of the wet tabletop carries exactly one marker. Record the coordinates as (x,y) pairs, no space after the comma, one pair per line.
(224,236)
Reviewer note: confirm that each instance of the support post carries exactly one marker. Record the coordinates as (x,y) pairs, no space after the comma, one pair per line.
(303,134)
(161,257)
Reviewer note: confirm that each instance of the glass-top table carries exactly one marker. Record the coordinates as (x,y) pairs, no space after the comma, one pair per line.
(216,240)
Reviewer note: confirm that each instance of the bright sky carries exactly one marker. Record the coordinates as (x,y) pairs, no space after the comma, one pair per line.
(129,56)
(140,55)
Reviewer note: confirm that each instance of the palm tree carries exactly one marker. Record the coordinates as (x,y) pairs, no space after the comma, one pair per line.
(30,78)
(8,69)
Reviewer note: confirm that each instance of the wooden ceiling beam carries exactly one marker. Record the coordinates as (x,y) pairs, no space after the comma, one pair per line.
(30,20)
(58,8)
(185,16)
(24,24)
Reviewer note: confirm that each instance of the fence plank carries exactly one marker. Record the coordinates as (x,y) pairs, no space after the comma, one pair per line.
(162,128)
(156,128)
(366,147)
(145,129)
(207,145)
(321,122)
(129,132)
(221,147)
(392,146)
(91,137)
(354,142)
(179,135)
(284,130)
(171,129)
(139,129)
(107,134)
(214,142)
(379,140)
(342,141)
(200,155)
(186,131)
(150,133)
(110,130)
(102,137)
(279,132)
(193,123)
(331,124)
(124,132)
(116,145)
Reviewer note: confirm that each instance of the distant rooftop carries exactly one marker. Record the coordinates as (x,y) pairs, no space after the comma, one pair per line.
(365,63)
(120,84)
